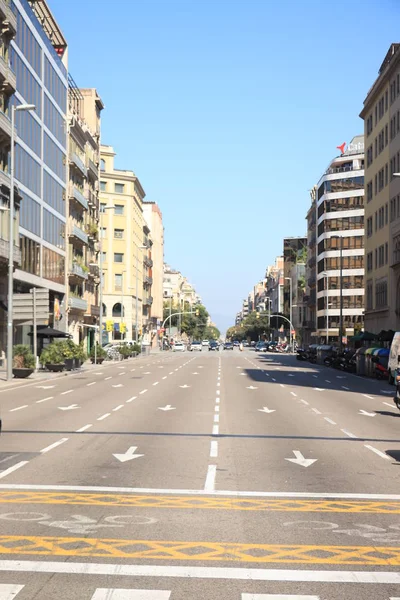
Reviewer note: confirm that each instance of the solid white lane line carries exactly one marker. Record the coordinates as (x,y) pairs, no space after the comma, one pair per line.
(209,485)
(13,468)
(330,421)
(317,412)
(19,408)
(348,433)
(89,384)
(106,378)
(387,404)
(304,402)
(131,399)
(84,428)
(216,418)
(215,430)
(118,407)
(143,392)
(156,383)
(293,394)
(66,392)
(48,448)
(44,399)
(367,396)
(214,449)
(104,417)
(345,388)
(378,452)
(189,572)
(216,409)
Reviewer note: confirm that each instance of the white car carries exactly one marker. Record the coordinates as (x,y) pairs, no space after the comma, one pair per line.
(195,346)
(179,347)
(205,343)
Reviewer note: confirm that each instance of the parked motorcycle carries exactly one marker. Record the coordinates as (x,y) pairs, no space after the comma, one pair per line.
(396,398)
(381,372)
(301,354)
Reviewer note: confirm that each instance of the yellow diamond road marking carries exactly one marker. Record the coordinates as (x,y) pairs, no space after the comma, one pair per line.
(200,551)
(200,502)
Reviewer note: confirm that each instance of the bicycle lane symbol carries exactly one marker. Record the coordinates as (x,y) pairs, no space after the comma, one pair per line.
(78,524)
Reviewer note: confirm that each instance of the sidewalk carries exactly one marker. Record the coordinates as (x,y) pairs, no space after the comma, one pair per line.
(40,376)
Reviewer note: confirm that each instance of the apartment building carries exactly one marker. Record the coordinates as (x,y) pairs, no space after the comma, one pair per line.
(153,217)
(309,324)
(381,115)
(39,71)
(340,224)
(178,289)
(274,285)
(8,24)
(147,298)
(83,214)
(121,230)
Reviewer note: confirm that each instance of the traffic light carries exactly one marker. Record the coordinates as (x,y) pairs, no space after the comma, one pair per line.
(109,325)
(122,327)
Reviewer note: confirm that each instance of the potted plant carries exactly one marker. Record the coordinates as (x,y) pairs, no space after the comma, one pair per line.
(97,354)
(52,357)
(124,351)
(80,356)
(68,349)
(23,361)
(135,349)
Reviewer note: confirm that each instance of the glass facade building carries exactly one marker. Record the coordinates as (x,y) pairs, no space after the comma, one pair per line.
(40,154)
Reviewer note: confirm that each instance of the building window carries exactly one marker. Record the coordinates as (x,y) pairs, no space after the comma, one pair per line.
(369,226)
(369,261)
(117,308)
(381,294)
(119,209)
(370,294)
(104,257)
(119,188)
(118,257)
(104,232)
(118,234)
(102,165)
(118,281)
(102,207)
(103,186)
(386,253)
(369,191)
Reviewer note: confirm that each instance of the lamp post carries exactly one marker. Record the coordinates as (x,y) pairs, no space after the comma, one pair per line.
(290,309)
(21,107)
(340,237)
(136,288)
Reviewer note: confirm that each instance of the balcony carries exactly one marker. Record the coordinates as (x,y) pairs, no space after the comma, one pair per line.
(94,310)
(147,261)
(77,303)
(78,196)
(148,301)
(8,17)
(93,169)
(312,241)
(148,280)
(5,127)
(78,270)
(312,262)
(7,76)
(76,232)
(5,249)
(78,163)
(333,170)
(311,281)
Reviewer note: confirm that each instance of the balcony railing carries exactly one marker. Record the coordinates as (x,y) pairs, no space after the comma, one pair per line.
(148,280)
(148,301)
(5,126)
(8,17)
(77,232)
(78,196)
(343,169)
(78,162)
(92,168)
(94,310)
(5,249)
(147,261)
(77,303)
(312,241)
(79,271)
(8,75)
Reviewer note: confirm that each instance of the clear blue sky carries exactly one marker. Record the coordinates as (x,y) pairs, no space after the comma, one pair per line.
(228,112)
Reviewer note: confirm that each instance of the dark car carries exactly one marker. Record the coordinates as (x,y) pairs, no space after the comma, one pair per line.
(228,346)
(261,347)
(213,346)
(236,343)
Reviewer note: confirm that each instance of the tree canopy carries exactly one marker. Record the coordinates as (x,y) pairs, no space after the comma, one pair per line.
(194,326)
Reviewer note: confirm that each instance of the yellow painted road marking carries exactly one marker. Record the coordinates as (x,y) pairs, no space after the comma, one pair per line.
(200,551)
(199,502)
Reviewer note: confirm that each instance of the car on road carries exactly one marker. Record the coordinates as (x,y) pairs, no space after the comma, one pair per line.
(205,343)
(236,343)
(261,347)
(179,347)
(213,346)
(228,346)
(196,346)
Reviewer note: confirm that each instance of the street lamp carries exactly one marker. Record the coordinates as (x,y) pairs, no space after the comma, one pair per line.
(137,290)
(14,108)
(290,309)
(340,237)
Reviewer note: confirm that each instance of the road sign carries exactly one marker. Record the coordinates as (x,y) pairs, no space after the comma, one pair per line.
(23,306)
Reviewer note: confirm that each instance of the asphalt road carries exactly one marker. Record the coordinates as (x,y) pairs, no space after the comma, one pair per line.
(200,475)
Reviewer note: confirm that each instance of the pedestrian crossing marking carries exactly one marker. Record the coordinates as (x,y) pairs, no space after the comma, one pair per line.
(114,594)
(9,591)
(311,554)
(200,502)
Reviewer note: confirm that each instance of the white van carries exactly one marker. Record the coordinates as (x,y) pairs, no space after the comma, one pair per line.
(394,356)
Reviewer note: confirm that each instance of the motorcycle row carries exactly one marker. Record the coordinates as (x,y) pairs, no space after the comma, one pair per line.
(344,361)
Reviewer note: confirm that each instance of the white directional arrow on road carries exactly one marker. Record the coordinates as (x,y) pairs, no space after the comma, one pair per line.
(367,414)
(266,410)
(70,407)
(184,386)
(118,385)
(300,460)
(251,387)
(167,407)
(45,387)
(129,455)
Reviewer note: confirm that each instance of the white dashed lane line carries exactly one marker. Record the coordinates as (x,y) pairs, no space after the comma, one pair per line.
(330,421)
(131,399)
(107,378)
(66,392)
(48,448)
(317,412)
(44,399)
(104,417)
(214,449)
(348,433)
(143,392)
(118,407)
(89,384)
(84,428)
(378,452)
(19,408)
